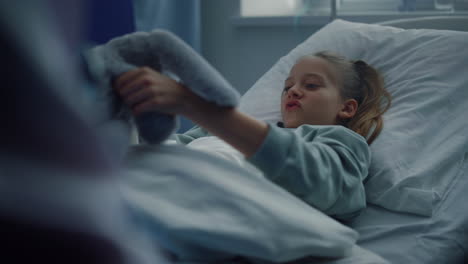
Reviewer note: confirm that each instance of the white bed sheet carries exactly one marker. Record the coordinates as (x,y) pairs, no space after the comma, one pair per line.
(407,238)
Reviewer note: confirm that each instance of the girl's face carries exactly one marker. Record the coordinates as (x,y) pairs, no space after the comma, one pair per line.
(311,94)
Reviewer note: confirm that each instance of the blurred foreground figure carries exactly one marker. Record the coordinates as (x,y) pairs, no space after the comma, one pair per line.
(58,197)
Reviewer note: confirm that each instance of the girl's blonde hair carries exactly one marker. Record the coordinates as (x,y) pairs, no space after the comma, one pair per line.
(363,83)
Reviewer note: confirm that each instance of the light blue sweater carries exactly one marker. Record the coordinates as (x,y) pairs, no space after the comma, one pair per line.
(323,165)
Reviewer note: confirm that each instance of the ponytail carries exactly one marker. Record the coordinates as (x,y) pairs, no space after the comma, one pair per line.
(374,102)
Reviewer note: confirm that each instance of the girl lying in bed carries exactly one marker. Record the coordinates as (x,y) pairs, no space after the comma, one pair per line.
(329,106)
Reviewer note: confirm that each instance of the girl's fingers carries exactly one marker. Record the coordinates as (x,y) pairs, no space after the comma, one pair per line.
(144,106)
(125,83)
(146,90)
(132,86)
(138,96)
(124,78)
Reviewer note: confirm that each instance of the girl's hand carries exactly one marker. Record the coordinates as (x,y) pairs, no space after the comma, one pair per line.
(145,90)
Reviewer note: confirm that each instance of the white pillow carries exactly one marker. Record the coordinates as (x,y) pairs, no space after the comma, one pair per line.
(421,148)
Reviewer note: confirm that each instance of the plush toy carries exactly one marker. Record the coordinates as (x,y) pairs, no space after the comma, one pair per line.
(164,52)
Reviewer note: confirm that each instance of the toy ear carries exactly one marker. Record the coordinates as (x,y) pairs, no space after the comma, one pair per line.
(164,52)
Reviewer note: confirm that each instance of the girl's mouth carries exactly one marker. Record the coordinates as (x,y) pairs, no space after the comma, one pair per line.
(292,105)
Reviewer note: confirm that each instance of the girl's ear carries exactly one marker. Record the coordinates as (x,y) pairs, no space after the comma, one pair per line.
(348,109)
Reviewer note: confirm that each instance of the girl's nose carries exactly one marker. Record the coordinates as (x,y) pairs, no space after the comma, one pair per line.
(294,92)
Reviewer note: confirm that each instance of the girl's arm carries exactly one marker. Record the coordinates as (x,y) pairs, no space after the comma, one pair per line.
(144,90)
(322,165)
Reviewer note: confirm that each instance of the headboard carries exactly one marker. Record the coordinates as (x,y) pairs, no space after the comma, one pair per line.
(459,23)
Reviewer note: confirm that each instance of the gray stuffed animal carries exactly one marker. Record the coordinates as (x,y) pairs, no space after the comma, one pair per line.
(164,52)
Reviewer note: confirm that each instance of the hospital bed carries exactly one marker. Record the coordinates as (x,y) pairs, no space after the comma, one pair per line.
(412,214)
(419,170)
(442,237)
(415,212)
(400,235)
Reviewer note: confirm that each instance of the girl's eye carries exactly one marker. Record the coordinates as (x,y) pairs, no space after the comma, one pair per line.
(286,89)
(312,86)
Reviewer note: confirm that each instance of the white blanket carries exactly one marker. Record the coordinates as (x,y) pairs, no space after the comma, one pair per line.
(204,208)
(215,146)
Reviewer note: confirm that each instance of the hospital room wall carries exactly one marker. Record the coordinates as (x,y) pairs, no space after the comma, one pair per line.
(243,53)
